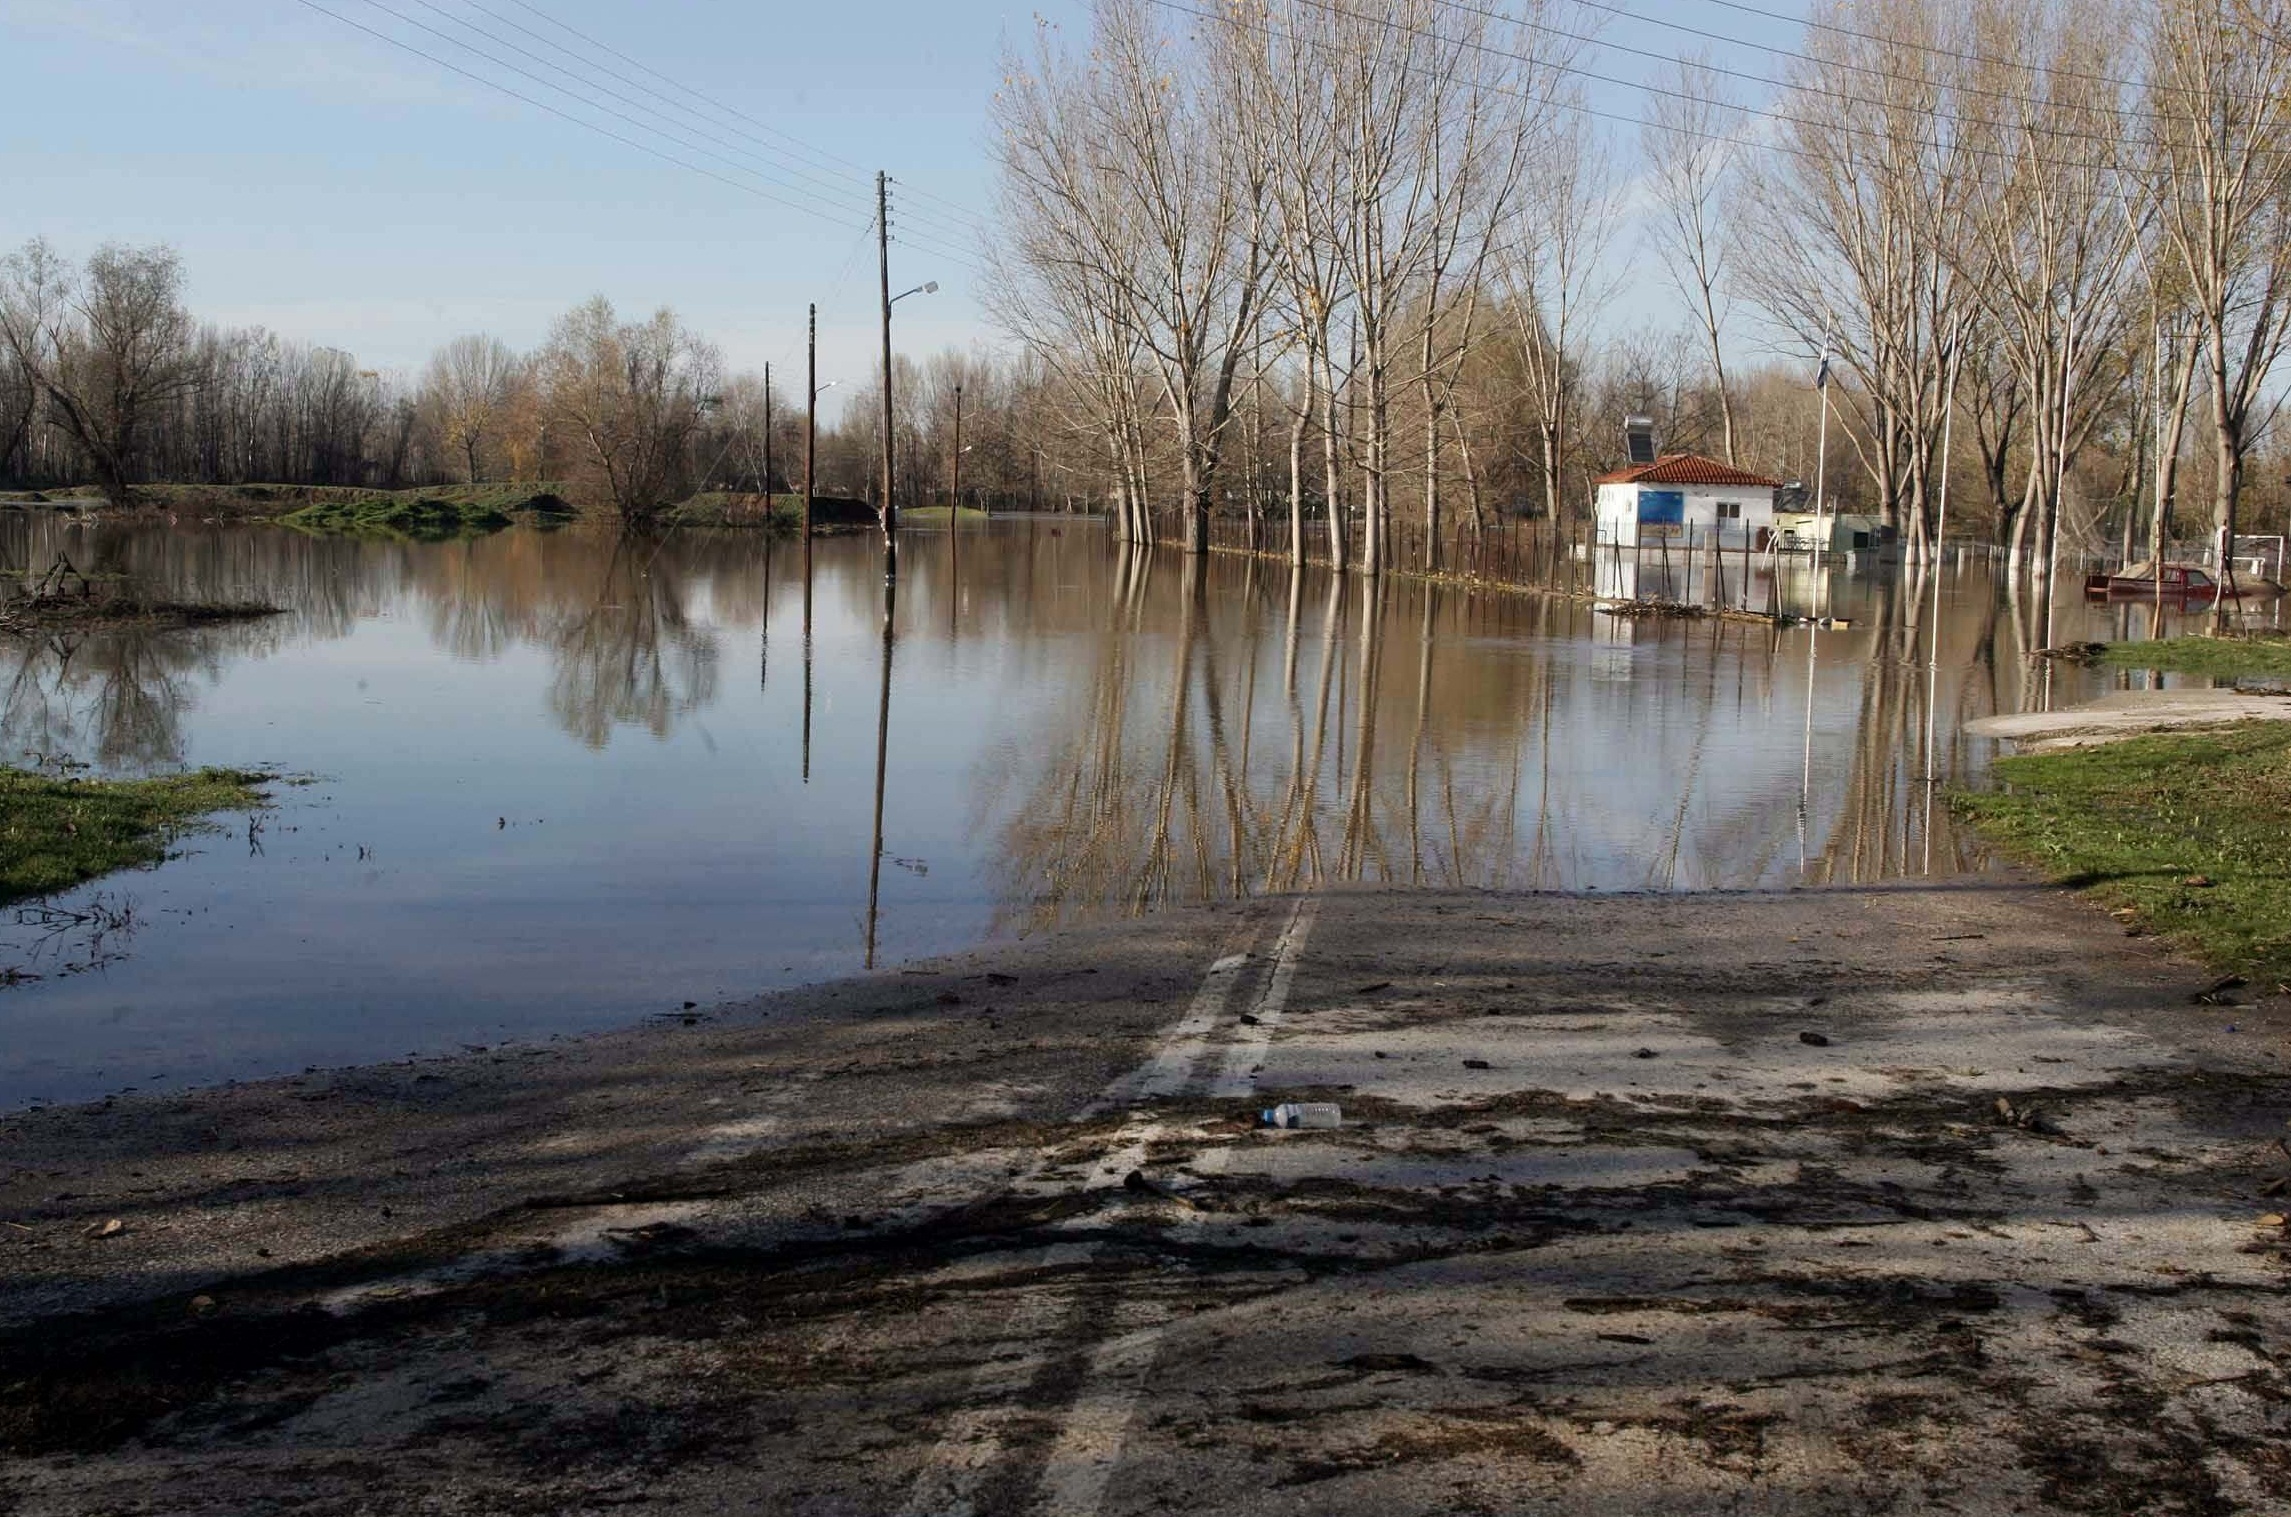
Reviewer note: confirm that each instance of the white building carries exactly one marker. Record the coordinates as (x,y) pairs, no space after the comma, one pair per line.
(1686,498)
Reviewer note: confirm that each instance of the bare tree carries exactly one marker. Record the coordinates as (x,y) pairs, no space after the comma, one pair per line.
(2220,184)
(103,348)
(1872,183)
(2049,241)
(1120,157)
(470,385)
(1687,141)
(1558,283)
(634,394)
(1058,276)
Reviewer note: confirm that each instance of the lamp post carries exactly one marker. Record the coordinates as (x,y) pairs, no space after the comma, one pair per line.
(813,390)
(890,500)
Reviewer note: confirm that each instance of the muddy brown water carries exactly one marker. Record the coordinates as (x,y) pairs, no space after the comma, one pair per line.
(560,781)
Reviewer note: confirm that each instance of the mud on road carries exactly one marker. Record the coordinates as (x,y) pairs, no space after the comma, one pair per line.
(1905,1200)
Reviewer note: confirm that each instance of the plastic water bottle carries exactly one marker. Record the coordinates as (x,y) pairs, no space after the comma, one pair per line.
(1303,1114)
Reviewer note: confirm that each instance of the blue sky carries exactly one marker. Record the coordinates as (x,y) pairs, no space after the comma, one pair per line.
(328,185)
(342,191)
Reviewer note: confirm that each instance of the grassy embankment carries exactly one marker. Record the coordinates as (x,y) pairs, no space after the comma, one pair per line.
(436,515)
(2188,836)
(443,512)
(329,508)
(728,508)
(2219,657)
(937,515)
(57,832)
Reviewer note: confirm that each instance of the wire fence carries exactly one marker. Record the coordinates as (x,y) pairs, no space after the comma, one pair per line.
(1754,572)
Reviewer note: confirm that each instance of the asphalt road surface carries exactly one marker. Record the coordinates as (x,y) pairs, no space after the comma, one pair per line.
(1904,1200)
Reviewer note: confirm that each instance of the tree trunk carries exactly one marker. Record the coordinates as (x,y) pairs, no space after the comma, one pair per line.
(1297,474)
(1431,460)
(1332,482)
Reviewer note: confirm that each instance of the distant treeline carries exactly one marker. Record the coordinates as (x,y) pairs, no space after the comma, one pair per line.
(107,378)
(2047,242)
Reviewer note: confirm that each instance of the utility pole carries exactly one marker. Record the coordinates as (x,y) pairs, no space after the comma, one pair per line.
(883,261)
(955,491)
(767,443)
(810,450)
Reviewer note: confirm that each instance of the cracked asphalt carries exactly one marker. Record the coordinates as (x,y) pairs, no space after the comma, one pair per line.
(1902,1200)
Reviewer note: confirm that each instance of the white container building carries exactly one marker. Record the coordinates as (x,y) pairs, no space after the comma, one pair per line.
(1685,497)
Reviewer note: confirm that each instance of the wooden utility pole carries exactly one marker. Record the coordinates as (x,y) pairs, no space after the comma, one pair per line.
(883,261)
(955,491)
(767,444)
(810,450)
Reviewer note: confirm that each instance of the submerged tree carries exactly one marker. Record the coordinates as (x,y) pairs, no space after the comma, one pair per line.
(470,390)
(104,347)
(635,395)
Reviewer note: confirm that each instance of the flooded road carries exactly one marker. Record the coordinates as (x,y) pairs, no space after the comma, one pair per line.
(563,781)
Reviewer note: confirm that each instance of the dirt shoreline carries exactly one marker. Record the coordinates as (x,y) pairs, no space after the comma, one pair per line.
(1910,1199)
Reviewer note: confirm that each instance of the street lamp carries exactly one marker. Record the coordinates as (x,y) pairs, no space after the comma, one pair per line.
(890,501)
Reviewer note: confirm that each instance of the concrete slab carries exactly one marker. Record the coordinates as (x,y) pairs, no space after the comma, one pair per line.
(2130,713)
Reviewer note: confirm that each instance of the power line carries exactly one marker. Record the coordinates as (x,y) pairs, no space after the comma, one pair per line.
(827,213)
(576,120)
(552,84)
(1937,116)
(820,154)
(2010,97)
(780,158)
(683,142)
(1922,47)
(1584,109)
(832,187)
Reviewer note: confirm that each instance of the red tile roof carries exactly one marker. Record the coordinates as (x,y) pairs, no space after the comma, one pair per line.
(1688,469)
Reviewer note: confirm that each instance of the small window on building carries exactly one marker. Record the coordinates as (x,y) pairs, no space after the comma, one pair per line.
(1730,510)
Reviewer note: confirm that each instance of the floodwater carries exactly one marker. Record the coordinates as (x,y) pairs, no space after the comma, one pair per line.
(561,781)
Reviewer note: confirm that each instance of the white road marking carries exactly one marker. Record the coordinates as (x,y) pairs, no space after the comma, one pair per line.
(1246,1052)
(1089,1448)
(949,1482)
(1082,1462)
(1171,1067)
(732,1140)
(1081,1465)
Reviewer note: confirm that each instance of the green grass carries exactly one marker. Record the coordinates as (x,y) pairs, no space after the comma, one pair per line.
(939,514)
(2219,657)
(723,508)
(57,832)
(420,517)
(331,508)
(2188,835)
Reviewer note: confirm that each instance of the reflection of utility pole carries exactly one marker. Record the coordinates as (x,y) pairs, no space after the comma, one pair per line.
(955,499)
(882,755)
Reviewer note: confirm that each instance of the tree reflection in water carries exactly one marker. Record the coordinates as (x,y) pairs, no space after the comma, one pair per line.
(633,655)
(1235,730)
(1191,731)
